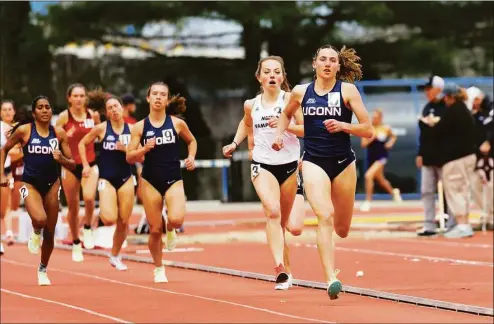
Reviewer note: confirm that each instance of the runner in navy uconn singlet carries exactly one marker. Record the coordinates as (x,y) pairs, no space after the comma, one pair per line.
(112,163)
(44,146)
(162,164)
(331,151)
(115,188)
(328,167)
(40,168)
(155,139)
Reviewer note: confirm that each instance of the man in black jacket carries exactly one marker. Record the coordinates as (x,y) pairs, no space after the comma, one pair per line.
(456,132)
(482,184)
(429,156)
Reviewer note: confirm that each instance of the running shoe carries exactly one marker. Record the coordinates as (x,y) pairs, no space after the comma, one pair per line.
(171,239)
(116,261)
(34,243)
(334,286)
(282,278)
(159,274)
(77,255)
(43,279)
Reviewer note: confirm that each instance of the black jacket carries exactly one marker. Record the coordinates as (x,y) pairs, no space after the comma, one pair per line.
(456,133)
(428,139)
(485,124)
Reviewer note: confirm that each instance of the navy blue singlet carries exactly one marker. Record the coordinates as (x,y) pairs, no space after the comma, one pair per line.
(40,168)
(376,151)
(112,164)
(331,151)
(161,166)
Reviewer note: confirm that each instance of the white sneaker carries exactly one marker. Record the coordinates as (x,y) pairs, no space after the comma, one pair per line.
(366,206)
(88,239)
(460,231)
(171,239)
(9,237)
(116,261)
(159,274)
(397,195)
(1,248)
(43,279)
(34,243)
(77,255)
(285,285)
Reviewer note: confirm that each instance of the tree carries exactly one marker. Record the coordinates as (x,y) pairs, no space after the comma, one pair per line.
(24,55)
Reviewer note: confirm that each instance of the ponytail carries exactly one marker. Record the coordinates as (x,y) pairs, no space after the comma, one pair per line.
(28,117)
(26,120)
(176,105)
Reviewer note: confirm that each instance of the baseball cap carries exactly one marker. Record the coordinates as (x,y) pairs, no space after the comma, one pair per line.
(451,89)
(472,94)
(128,99)
(435,82)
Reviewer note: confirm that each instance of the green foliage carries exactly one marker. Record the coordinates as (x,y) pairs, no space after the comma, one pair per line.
(295,30)
(25,64)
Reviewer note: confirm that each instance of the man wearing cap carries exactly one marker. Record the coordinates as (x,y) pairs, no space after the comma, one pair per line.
(456,132)
(482,183)
(129,106)
(429,155)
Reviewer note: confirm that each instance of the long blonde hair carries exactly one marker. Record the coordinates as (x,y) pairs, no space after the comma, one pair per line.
(350,70)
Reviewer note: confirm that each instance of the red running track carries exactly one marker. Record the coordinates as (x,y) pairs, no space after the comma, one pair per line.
(92,291)
(459,271)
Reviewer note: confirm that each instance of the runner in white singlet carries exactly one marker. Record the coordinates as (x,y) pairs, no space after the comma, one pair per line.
(4,190)
(273,173)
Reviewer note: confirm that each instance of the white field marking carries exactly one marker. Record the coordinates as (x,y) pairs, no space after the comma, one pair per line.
(417,256)
(473,245)
(176,250)
(172,292)
(85,310)
(413,257)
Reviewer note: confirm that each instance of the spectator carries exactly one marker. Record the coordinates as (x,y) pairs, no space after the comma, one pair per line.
(129,105)
(429,157)
(456,133)
(482,182)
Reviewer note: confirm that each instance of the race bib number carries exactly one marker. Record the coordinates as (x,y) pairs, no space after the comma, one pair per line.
(19,171)
(255,169)
(53,143)
(101,185)
(168,136)
(124,139)
(24,192)
(89,123)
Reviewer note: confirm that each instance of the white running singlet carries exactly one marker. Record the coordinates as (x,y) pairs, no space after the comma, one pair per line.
(3,140)
(264,135)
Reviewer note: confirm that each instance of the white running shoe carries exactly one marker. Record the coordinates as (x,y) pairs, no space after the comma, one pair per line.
(365,206)
(88,239)
(159,274)
(9,237)
(397,196)
(34,243)
(116,261)
(171,239)
(77,255)
(285,285)
(43,279)
(1,248)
